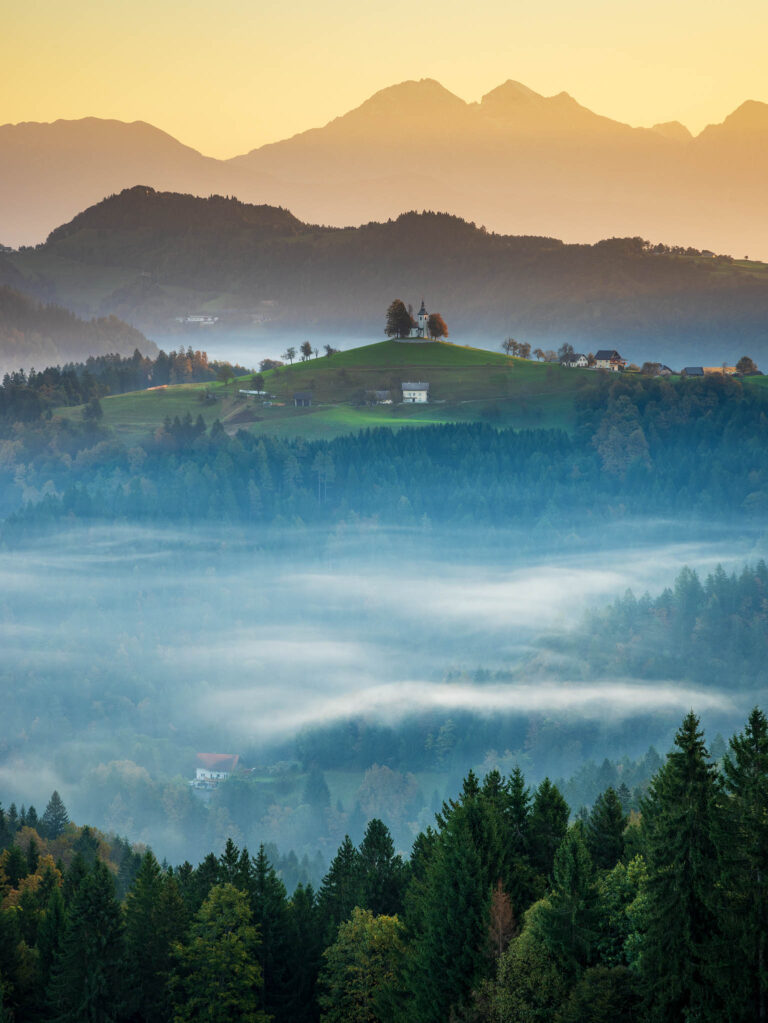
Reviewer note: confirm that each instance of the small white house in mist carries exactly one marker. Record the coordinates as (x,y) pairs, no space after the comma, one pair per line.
(215,767)
(415,393)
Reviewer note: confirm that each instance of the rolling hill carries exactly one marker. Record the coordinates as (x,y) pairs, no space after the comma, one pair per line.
(150,257)
(466,384)
(516,161)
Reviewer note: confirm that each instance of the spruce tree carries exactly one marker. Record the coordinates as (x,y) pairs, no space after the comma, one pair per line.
(147,954)
(569,917)
(745,770)
(547,827)
(269,908)
(449,920)
(680,946)
(383,873)
(341,889)
(605,830)
(87,978)
(305,954)
(50,934)
(229,864)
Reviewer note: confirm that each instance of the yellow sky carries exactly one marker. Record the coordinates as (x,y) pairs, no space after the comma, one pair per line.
(227,76)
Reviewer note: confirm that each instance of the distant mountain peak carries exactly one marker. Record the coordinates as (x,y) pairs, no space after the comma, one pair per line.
(673,130)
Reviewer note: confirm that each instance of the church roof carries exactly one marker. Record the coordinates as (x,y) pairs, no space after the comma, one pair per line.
(423,310)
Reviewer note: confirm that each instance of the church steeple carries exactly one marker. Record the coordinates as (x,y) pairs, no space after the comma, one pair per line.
(422,320)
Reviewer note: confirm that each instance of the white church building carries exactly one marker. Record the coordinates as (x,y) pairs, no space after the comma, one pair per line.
(422,322)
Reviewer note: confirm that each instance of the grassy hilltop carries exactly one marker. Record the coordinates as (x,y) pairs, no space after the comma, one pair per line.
(465,384)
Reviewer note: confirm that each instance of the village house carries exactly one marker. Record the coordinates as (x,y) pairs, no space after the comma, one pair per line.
(609,358)
(415,393)
(302,399)
(213,768)
(576,361)
(380,397)
(692,371)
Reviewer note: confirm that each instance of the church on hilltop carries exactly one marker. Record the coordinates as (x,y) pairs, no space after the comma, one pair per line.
(402,325)
(420,329)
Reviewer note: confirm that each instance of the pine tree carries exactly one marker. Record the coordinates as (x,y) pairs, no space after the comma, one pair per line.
(73,879)
(147,955)
(216,975)
(521,882)
(269,908)
(305,954)
(341,889)
(745,771)
(229,864)
(548,826)
(450,919)
(680,817)
(87,978)
(383,873)
(568,919)
(605,830)
(50,933)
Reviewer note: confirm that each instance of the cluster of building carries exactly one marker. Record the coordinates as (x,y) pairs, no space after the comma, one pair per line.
(609,359)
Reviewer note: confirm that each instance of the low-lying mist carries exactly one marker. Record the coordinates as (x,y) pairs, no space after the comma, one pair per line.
(127,651)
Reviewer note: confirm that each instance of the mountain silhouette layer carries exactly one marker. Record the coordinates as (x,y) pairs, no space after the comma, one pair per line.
(154,258)
(517,162)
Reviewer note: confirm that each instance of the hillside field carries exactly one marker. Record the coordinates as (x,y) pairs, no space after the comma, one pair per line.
(466,384)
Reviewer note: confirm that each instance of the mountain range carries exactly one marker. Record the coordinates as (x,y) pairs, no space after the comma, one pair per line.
(153,258)
(517,162)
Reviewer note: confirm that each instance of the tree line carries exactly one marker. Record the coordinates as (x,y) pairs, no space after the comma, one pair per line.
(506,911)
(29,396)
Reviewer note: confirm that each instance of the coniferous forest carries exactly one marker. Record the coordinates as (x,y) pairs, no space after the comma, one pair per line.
(507,909)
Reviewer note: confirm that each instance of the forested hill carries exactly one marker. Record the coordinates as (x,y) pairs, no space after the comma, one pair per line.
(150,256)
(698,448)
(504,911)
(33,333)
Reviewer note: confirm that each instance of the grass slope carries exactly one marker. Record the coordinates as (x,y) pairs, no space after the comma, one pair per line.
(466,384)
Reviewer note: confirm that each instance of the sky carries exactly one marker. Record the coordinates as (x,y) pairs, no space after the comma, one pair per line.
(227,76)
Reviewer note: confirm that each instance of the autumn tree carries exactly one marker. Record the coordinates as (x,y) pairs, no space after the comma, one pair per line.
(216,974)
(436,326)
(362,969)
(746,366)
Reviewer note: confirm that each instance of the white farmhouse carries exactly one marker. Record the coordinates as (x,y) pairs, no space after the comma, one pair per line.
(415,393)
(215,767)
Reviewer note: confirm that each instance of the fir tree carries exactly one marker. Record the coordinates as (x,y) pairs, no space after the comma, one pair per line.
(269,908)
(605,830)
(548,825)
(680,947)
(341,889)
(745,771)
(146,953)
(305,954)
(383,873)
(568,917)
(87,978)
